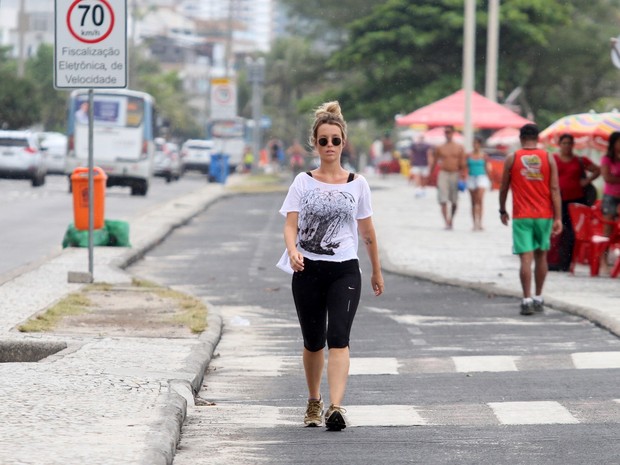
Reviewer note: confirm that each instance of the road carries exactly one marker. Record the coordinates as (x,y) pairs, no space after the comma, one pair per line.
(34,220)
(439,374)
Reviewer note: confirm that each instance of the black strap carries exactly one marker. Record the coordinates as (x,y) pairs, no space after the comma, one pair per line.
(349,179)
(583,167)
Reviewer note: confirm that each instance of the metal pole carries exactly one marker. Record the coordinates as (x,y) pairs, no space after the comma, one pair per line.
(256,117)
(256,72)
(469,36)
(21,34)
(91,190)
(492,50)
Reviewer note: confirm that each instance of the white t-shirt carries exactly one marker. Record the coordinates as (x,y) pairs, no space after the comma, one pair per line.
(328,215)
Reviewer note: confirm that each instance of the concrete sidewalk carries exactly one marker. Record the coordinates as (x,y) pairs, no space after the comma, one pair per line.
(123,400)
(113,400)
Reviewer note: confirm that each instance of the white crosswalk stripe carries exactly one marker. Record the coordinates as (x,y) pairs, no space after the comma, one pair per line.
(489,414)
(532,413)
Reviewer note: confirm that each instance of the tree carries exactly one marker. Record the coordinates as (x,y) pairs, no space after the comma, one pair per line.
(323,20)
(292,67)
(575,72)
(167,89)
(406,55)
(19,107)
(53,103)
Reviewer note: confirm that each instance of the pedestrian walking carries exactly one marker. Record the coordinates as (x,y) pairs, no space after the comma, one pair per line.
(325,208)
(532,175)
(451,160)
(420,160)
(477,181)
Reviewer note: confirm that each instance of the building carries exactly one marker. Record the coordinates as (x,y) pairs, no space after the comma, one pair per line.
(37,29)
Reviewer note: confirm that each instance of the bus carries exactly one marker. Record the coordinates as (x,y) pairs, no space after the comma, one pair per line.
(230,137)
(124,131)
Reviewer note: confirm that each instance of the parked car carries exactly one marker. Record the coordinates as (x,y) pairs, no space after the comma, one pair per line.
(196,155)
(54,144)
(167,161)
(21,157)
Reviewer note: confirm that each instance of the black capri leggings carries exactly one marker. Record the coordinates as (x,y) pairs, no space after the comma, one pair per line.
(326,296)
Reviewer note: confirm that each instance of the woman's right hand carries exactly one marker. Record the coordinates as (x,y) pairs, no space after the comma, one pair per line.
(297,260)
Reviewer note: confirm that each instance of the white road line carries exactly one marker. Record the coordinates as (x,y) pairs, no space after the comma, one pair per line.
(374,366)
(383,415)
(233,415)
(596,360)
(532,413)
(485,363)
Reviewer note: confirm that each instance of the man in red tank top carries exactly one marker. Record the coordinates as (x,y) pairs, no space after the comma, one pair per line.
(536,210)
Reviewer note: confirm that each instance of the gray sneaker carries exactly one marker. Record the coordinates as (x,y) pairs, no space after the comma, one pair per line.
(314,413)
(539,306)
(334,418)
(527,308)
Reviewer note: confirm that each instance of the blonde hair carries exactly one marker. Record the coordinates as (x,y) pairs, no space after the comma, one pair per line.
(328,113)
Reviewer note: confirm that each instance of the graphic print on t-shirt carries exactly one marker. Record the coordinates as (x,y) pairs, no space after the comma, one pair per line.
(322,215)
(531,170)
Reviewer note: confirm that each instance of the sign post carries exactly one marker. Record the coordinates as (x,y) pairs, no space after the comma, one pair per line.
(90,51)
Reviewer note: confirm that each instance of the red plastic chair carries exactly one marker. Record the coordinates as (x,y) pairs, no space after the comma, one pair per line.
(599,222)
(589,246)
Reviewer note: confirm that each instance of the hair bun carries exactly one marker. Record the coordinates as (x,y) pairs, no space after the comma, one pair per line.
(331,108)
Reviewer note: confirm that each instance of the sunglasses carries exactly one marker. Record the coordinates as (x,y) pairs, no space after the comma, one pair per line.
(323,141)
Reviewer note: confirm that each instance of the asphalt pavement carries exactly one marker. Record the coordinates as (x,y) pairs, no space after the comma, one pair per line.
(114,400)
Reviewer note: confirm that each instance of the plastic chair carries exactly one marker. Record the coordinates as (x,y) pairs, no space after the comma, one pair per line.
(599,222)
(589,246)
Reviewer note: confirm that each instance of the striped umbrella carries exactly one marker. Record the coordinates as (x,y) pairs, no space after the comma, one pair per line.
(590,130)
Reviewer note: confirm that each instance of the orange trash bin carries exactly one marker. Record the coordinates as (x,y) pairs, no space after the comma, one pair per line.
(79,186)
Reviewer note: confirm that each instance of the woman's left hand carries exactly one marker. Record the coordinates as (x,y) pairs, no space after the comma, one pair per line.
(378,286)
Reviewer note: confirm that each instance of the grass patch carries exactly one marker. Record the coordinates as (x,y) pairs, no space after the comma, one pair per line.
(187,310)
(74,304)
(193,312)
(262,183)
(103,287)
(143,283)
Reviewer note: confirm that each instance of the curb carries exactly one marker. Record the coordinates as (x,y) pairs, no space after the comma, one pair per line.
(161,448)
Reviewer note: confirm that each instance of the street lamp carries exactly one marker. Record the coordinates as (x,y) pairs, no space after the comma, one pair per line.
(256,77)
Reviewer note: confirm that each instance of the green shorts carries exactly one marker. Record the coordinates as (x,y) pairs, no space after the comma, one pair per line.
(529,234)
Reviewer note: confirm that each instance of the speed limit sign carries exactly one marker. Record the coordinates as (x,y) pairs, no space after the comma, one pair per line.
(90,47)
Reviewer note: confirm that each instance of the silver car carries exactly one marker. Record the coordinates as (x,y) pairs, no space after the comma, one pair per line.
(196,155)
(55,146)
(21,157)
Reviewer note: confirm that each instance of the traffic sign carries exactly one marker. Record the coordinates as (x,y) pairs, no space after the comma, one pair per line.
(90,46)
(223,102)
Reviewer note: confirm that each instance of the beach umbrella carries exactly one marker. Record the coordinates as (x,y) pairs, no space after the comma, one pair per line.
(436,136)
(590,130)
(450,111)
(506,137)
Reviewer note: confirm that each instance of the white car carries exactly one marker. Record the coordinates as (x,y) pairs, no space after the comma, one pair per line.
(196,155)
(21,157)
(55,146)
